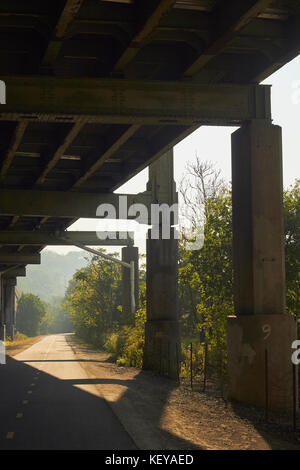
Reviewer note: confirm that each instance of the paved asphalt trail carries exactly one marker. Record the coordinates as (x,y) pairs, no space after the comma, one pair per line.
(46,403)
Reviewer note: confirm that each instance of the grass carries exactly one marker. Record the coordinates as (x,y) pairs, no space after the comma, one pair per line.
(20,343)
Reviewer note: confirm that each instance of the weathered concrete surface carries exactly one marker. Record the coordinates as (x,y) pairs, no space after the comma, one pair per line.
(9,306)
(162,347)
(258,234)
(162,332)
(249,337)
(259,271)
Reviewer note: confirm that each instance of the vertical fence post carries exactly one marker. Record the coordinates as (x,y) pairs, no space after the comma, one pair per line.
(160,354)
(266,387)
(191,364)
(221,373)
(177,362)
(295,389)
(205,366)
(169,365)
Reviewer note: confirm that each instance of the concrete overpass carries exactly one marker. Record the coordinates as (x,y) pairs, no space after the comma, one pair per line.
(97,91)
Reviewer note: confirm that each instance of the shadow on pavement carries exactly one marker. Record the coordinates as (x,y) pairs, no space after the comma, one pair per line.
(59,415)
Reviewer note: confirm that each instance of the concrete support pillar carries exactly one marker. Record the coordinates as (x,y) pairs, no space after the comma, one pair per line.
(260,334)
(2,315)
(129,253)
(162,333)
(9,307)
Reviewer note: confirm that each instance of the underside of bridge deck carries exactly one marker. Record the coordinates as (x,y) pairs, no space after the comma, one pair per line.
(97,90)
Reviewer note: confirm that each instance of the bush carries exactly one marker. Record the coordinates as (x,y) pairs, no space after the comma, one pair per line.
(116,341)
(20,336)
(126,345)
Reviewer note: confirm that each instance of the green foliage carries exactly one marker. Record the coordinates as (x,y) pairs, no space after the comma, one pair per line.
(205,287)
(93,302)
(30,313)
(20,336)
(46,320)
(291,199)
(206,276)
(127,343)
(134,344)
(37,317)
(113,345)
(60,321)
(93,299)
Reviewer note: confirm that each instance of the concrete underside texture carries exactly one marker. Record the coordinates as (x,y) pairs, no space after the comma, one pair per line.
(260,336)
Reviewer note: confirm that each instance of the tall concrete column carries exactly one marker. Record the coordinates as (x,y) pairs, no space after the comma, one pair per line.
(162,332)
(260,334)
(129,253)
(9,306)
(2,315)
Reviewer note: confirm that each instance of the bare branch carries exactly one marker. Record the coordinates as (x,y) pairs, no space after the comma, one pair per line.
(200,183)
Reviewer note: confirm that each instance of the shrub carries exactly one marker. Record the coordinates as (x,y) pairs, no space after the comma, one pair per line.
(126,345)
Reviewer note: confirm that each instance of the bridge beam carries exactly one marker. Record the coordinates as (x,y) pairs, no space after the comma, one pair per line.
(136,43)
(19,258)
(240,16)
(66,17)
(112,101)
(14,237)
(260,335)
(15,142)
(62,203)
(72,134)
(15,272)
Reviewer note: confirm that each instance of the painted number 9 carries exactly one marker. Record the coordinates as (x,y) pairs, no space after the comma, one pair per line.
(266,330)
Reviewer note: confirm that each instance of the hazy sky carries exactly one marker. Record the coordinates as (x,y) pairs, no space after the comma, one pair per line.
(213,143)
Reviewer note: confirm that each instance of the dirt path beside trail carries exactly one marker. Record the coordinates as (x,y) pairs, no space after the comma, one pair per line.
(160,415)
(15,347)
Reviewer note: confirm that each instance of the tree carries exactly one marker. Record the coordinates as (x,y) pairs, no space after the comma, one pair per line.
(200,183)
(60,321)
(291,200)
(207,273)
(94,298)
(30,312)
(201,192)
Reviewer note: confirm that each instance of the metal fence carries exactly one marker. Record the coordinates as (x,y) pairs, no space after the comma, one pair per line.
(203,368)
